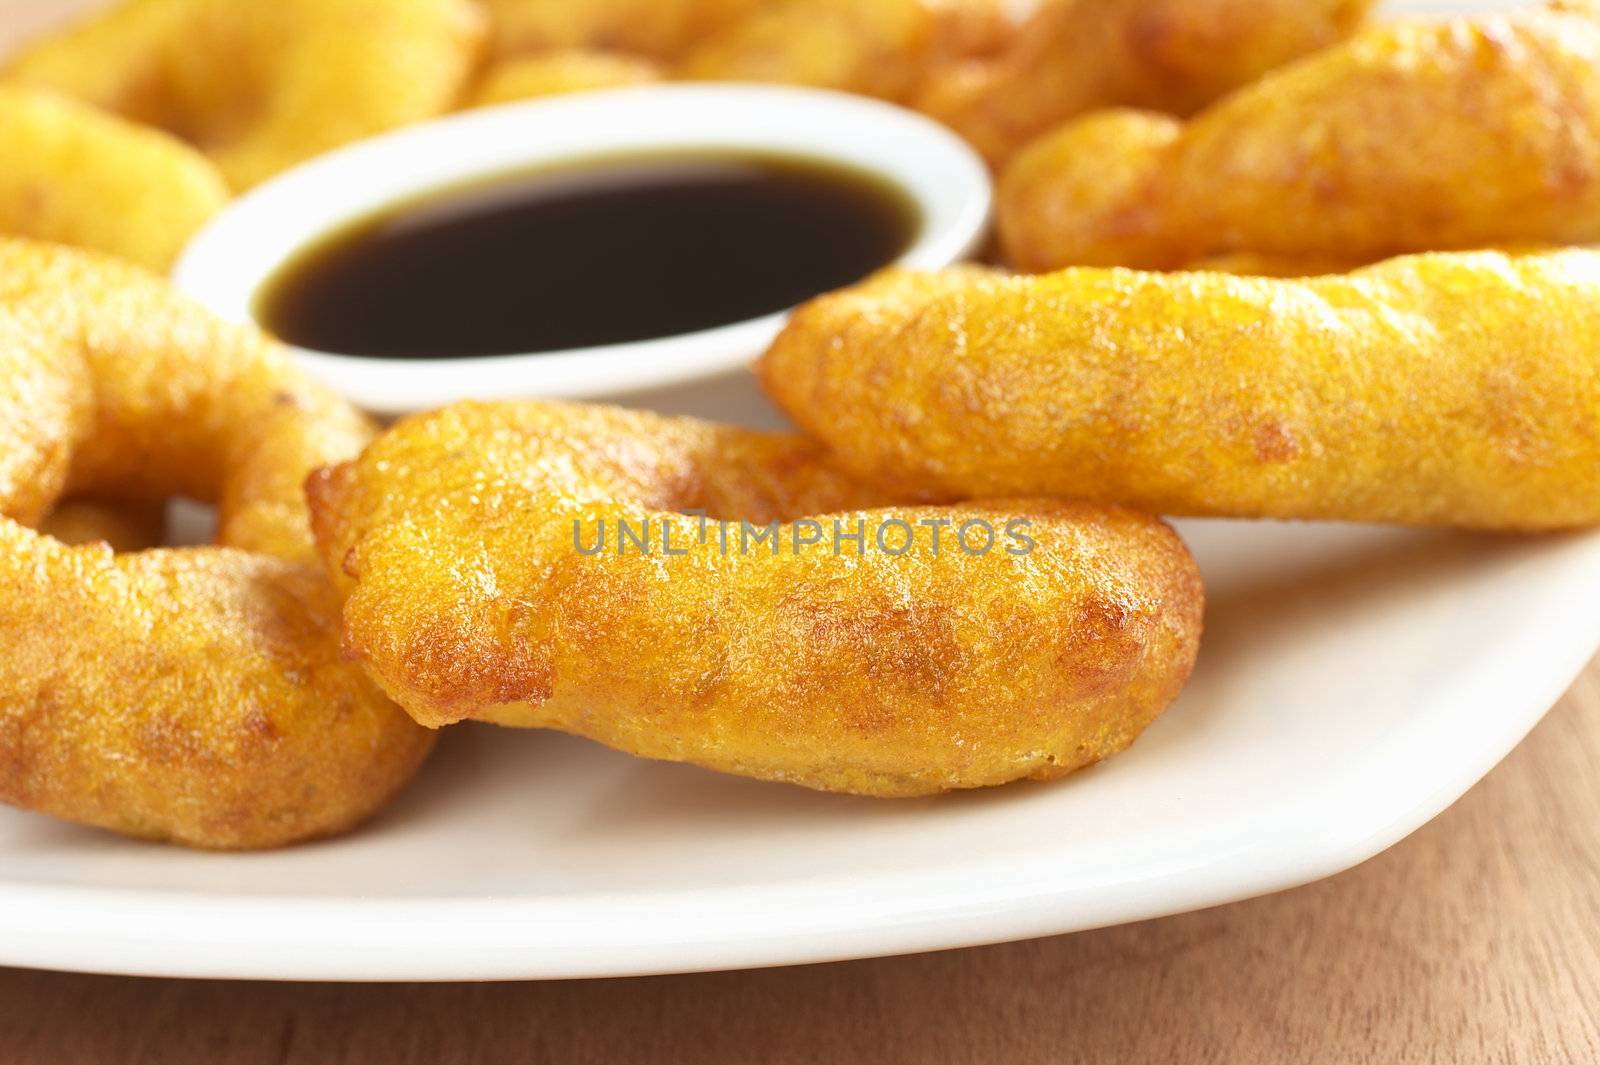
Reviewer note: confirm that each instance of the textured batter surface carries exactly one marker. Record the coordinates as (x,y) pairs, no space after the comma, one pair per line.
(554,73)
(881,48)
(1453,389)
(1410,137)
(260,86)
(1169,55)
(78,175)
(663,29)
(192,695)
(456,538)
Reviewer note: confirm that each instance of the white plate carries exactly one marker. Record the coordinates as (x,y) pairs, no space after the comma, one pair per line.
(1353,682)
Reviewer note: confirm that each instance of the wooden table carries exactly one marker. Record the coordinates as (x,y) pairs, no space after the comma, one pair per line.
(1477,940)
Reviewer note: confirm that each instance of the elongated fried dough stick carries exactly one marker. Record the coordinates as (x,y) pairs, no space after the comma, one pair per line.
(1168,55)
(1455,390)
(489,577)
(1410,137)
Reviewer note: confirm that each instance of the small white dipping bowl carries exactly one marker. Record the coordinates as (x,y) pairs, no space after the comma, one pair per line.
(228,263)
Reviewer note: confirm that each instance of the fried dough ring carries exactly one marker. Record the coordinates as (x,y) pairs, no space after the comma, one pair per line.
(190,695)
(1450,390)
(261,86)
(78,175)
(455,537)
(1410,137)
(1169,55)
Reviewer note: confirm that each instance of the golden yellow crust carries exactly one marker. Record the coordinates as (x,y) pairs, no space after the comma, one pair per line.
(1052,195)
(127,390)
(661,29)
(554,73)
(878,48)
(1455,389)
(261,86)
(456,536)
(192,695)
(81,176)
(1409,137)
(1083,176)
(1169,55)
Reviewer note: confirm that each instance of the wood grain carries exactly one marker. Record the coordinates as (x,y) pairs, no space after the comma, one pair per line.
(1476,940)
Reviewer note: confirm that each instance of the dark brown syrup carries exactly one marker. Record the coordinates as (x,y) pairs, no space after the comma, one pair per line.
(603,252)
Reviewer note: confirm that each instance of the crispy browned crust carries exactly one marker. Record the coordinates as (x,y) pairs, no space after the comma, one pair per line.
(261,86)
(1410,137)
(188,695)
(1453,389)
(454,537)
(1168,55)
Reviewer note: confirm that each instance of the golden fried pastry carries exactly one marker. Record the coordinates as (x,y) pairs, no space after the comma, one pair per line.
(486,553)
(1081,176)
(1051,189)
(1167,55)
(262,86)
(1410,137)
(1453,390)
(190,695)
(555,73)
(78,175)
(878,48)
(662,29)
